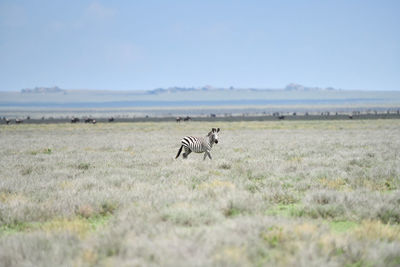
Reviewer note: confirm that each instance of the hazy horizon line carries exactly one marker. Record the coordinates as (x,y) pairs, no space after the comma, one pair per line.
(200,87)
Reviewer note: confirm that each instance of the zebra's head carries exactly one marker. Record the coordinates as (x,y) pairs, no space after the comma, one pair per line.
(213,135)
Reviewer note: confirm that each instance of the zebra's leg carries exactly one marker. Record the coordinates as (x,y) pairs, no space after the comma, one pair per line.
(207,153)
(187,152)
(179,152)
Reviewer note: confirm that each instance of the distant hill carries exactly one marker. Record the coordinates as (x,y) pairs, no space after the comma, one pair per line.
(292,96)
(177,89)
(299,87)
(289,87)
(42,90)
(182,89)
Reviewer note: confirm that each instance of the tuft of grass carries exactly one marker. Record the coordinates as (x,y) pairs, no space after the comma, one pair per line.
(108,208)
(83,166)
(46,151)
(86,211)
(274,236)
(334,184)
(285,210)
(324,211)
(9,197)
(282,197)
(98,221)
(253,187)
(216,184)
(390,184)
(185,214)
(27,170)
(231,255)
(296,159)
(8,229)
(232,210)
(389,214)
(376,230)
(90,257)
(342,226)
(254,177)
(225,166)
(79,225)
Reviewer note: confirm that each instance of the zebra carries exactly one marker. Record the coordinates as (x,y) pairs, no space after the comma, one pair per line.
(199,144)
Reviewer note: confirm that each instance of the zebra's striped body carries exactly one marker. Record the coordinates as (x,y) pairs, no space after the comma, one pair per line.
(199,144)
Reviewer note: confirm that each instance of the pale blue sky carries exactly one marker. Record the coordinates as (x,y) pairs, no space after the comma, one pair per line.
(123,45)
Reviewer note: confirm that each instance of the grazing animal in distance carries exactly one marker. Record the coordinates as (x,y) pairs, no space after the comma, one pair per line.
(111,119)
(199,144)
(74,120)
(18,121)
(281,117)
(187,118)
(90,120)
(178,119)
(7,121)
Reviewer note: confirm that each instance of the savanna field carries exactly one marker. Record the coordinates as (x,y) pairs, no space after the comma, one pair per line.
(281,193)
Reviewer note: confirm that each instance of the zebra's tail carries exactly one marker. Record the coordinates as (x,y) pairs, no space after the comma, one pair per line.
(179,152)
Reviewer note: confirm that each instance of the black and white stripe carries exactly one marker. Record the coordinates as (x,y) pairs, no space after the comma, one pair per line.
(199,144)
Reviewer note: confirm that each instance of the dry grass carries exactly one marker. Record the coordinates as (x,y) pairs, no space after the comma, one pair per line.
(276,193)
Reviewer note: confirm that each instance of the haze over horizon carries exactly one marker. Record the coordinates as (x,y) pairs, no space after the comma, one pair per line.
(288,87)
(124,45)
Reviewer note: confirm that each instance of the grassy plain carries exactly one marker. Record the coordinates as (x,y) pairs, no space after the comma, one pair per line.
(285,193)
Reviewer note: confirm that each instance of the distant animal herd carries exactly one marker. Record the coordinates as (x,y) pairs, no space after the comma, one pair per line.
(187,118)
(8,121)
(228,117)
(86,120)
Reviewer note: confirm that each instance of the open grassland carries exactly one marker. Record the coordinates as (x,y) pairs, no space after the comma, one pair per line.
(284,193)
